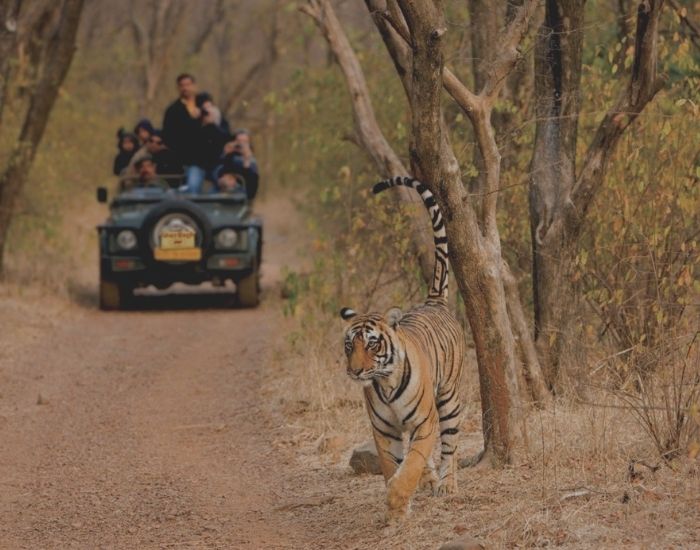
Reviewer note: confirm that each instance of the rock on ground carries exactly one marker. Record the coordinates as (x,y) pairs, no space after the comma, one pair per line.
(364,459)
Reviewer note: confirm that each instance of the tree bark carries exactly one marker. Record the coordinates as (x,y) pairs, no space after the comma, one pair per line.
(559,199)
(396,35)
(367,129)
(474,239)
(9,12)
(55,61)
(475,252)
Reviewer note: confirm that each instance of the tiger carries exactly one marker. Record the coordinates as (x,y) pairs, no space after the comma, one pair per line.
(410,365)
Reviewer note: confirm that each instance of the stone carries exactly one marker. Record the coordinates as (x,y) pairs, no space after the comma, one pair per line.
(364,459)
(464,542)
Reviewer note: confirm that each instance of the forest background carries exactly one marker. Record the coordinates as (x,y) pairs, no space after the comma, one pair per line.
(632,360)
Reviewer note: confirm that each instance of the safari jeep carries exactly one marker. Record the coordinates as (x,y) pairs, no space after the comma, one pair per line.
(160,237)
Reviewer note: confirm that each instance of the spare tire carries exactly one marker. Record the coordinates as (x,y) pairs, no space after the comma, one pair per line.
(166,208)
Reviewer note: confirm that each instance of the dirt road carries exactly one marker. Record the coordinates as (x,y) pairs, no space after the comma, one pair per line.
(142,428)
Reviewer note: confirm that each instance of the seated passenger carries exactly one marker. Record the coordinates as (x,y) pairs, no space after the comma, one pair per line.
(237,158)
(128,144)
(228,183)
(148,177)
(166,162)
(143,130)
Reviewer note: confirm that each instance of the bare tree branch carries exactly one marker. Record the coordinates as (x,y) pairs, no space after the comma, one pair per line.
(508,52)
(209,25)
(643,85)
(366,126)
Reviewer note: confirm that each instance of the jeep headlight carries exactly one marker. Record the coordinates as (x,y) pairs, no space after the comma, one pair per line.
(226,238)
(126,239)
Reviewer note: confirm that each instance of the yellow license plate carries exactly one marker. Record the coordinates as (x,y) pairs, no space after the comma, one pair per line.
(174,240)
(179,254)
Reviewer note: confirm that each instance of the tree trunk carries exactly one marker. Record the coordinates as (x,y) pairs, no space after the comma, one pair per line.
(396,35)
(486,19)
(558,52)
(475,252)
(56,59)
(559,199)
(474,240)
(9,11)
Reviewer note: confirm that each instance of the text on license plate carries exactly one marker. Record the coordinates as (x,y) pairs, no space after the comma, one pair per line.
(170,240)
(178,254)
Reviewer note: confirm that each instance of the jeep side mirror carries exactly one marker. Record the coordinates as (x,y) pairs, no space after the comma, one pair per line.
(101,194)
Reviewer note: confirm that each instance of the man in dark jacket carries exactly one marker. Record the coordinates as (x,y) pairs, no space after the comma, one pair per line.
(165,160)
(181,129)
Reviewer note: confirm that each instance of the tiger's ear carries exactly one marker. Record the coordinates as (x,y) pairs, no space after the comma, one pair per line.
(393,316)
(347,313)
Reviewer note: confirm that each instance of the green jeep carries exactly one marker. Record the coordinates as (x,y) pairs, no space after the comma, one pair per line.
(158,236)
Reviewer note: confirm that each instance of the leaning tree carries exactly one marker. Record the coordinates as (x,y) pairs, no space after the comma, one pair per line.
(46,32)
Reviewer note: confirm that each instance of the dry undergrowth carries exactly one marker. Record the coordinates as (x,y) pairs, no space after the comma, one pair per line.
(589,476)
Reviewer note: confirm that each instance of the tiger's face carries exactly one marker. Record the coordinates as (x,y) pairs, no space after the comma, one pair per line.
(371,344)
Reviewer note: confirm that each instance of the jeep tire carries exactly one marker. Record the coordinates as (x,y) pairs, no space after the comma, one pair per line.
(248,289)
(166,207)
(113,295)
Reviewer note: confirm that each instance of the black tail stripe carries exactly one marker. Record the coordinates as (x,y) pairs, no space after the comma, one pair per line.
(438,289)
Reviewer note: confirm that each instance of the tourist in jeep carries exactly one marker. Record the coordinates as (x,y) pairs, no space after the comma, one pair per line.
(148,176)
(128,144)
(181,127)
(165,160)
(209,110)
(143,130)
(238,160)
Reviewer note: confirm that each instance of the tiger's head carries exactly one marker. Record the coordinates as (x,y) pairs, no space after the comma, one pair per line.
(372,345)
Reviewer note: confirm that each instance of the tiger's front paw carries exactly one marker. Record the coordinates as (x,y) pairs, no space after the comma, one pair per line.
(395,516)
(396,503)
(429,480)
(447,486)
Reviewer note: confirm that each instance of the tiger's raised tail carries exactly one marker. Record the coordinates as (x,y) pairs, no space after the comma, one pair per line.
(438,289)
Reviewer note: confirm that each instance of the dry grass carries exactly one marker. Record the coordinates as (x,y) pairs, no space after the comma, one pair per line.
(587,476)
